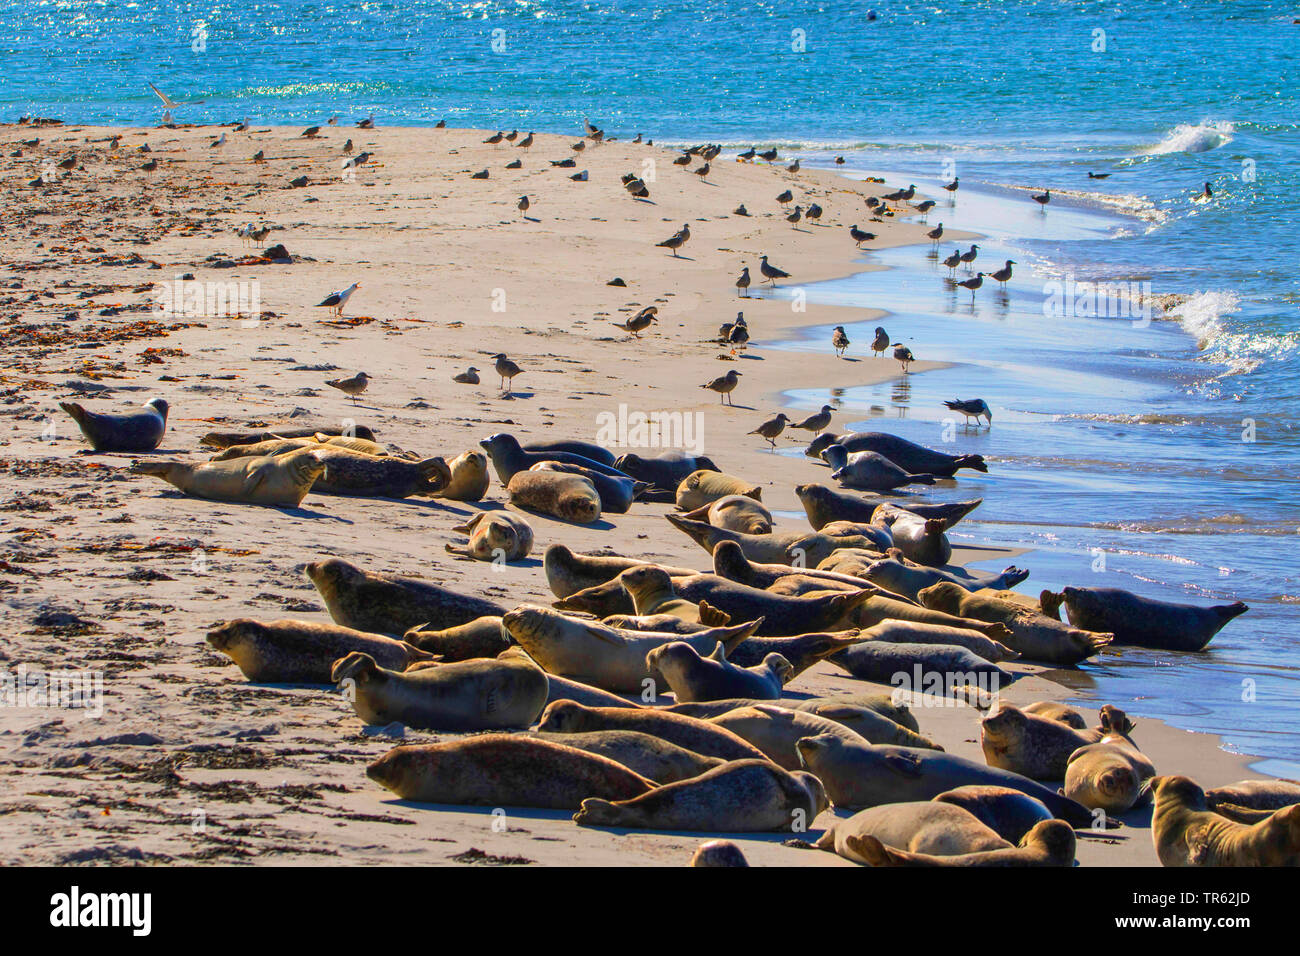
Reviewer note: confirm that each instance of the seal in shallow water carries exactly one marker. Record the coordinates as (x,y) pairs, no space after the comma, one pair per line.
(504,770)
(137,431)
(869,471)
(282,481)
(1146,622)
(905,454)
(391,603)
(303,652)
(741,796)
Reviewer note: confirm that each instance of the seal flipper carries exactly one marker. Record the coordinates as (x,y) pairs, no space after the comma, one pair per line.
(718,654)
(712,616)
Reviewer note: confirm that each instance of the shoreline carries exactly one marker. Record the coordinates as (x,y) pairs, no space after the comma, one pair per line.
(434,253)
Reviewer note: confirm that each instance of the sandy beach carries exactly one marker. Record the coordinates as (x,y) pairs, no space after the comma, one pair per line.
(106,571)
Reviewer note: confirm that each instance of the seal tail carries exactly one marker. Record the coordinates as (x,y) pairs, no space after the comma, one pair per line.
(596,812)
(159,469)
(712,616)
(970,461)
(923,479)
(354,665)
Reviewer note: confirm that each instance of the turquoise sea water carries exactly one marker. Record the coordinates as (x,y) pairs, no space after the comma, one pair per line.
(1111,438)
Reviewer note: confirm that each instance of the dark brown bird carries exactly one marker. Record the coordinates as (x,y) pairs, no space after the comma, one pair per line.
(677,240)
(840,339)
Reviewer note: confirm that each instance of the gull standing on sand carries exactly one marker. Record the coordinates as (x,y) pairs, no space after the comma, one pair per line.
(1003,274)
(973,283)
(904,356)
(924,209)
(747,156)
(793,167)
(219,141)
(522,206)
(738,337)
(785,197)
(813,213)
(724,385)
(507,370)
(337,300)
(525,142)
(367,123)
(770,272)
(771,428)
(880,342)
(347,147)
(742,283)
(972,408)
(333,120)
(467,377)
(311,132)
(860,236)
(677,240)
(495,138)
(637,323)
(901,194)
(724,330)
(840,339)
(795,216)
(352,387)
(815,423)
(969,257)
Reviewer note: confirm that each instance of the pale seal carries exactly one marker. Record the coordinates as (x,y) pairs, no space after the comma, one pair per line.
(867,471)
(1050,843)
(1187,833)
(477,694)
(1108,775)
(692,676)
(741,796)
(896,573)
(390,603)
(920,539)
(1032,746)
(734,513)
(566,497)
(700,736)
(303,652)
(495,536)
(276,446)
(776,730)
(652,757)
(481,637)
(616,494)
(1260,795)
(1146,622)
(600,655)
(718,853)
(651,590)
(1037,637)
(911,632)
(905,454)
(921,667)
(857,776)
(1008,813)
(1053,710)
(469,478)
(802,548)
(729,561)
(922,826)
(703,487)
(224,439)
(870,724)
(137,431)
(504,770)
(362,446)
(282,481)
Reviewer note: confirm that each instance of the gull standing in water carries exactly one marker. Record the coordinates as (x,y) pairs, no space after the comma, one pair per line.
(1044,199)
(972,284)
(770,272)
(969,257)
(1003,274)
(742,283)
(972,408)
(953,261)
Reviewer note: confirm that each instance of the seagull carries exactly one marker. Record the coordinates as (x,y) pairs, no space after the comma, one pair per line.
(840,340)
(969,257)
(953,261)
(351,387)
(219,141)
(860,236)
(333,121)
(769,155)
(525,142)
(972,284)
(468,377)
(367,123)
(771,428)
(903,194)
(169,104)
(259,157)
(515,164)
(495,138)
(1044,199)
(1208,194)
(724,330)
(795,216)
(747,156)
(924,208)
(972,408)
(335,300)
(677,240)
(683,160)
(481,174)
(578,147)
(703,171)
(740,210)
(637,188)
(880,342)
(742,283)
(813,212)
(793,167)
(770,272)
(815,423)
(311,132)
(522,206)
(347,147)
(785,197)
(936,234)
(1003,274)
(738,336)
(952,187)
(512,136)
(640,321)
(150,166)
(904,356)
(724,385)
(507,370)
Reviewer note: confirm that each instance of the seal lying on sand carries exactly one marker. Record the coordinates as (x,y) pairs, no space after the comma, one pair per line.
(1146,622)
(282,481)
(776,730)
(734,513)
(911,632)
(922,826)
(700,736)
(495,535)
(823,505)
(1257,795)
(276,446)
(1050,843)
(469,695)
(1035,747)
(469,478)
(504,770)
(896,573)
(729,561)
(481,637)
(1056,711)
(1108,775)
(224,439)
(567,497)
(1037,637)
(616,494)
(741,796)
(389,603)
(857,776)
(905,454)
(600,655)
(801,651)
(804,548)
(303,652)
(703,487)
(137,431)
(651,757)
(585,449)
(718,853)
(651,590)
(1187,833)
(367,476)
(568,572)
(663,472)
(509,458)
(920,539)
(870,472)
(691,676)
(921,668)
(1008,813)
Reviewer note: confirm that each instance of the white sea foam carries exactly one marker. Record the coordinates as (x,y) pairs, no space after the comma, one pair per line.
(1203,315)
(1188,138)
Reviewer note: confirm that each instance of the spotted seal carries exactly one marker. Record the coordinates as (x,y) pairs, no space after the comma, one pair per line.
(703,487)
(566,497)
(390,603)
(905,454)
(1050,843)
(469,478)
(280,481)
(495,536)
(1187,833)
(734,513)
(287,651)
(481,637)
(359,475)
(700,736)
(616,494)
(652,757)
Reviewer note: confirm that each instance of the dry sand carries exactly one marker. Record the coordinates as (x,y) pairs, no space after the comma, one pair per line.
(103,571)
